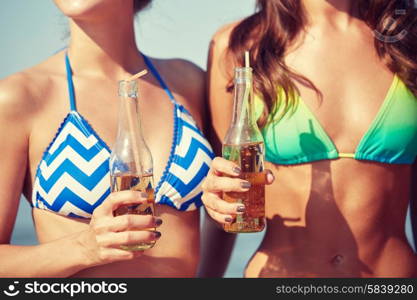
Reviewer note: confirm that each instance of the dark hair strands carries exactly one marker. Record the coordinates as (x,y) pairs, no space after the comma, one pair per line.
(400,56)
(276,26)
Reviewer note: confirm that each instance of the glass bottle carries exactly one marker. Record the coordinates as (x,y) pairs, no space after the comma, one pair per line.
(131,166)
(244,145)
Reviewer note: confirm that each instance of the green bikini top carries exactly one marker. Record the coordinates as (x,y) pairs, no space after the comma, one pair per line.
(299,138)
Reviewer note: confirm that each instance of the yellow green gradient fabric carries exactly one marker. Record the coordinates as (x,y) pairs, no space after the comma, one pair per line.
(298,137)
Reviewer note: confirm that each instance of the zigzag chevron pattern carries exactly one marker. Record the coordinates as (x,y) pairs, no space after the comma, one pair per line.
(73,176)
(189,166)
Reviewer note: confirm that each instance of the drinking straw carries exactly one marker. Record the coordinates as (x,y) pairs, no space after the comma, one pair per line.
(247,64)
(137,75)
(248,84)
(133,124)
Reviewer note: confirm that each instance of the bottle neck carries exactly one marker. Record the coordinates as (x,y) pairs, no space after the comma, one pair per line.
(243,98)
(130,146)
(129,118)
(244,128)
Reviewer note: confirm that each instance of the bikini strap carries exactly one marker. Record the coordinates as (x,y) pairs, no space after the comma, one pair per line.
(148,63)
(155,73)
(70,83)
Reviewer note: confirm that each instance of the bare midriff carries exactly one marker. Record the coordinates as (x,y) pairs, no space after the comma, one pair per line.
(336,218)
(172,256)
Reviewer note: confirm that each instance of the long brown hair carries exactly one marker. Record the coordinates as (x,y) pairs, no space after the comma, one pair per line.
(277,23)
(140,4)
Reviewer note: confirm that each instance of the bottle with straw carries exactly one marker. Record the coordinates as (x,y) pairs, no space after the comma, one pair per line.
(244,145)
(131,166)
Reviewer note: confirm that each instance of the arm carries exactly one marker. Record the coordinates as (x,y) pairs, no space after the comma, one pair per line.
(217,245)
(98,245)
(216,248)
(15,115)
(95,246)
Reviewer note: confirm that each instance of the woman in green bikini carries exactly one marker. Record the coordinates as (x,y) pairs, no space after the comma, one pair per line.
(336,87)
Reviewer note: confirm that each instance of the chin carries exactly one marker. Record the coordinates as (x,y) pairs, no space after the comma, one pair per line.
(84,9)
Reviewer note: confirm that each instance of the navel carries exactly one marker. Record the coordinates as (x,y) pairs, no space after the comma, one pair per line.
(337,260)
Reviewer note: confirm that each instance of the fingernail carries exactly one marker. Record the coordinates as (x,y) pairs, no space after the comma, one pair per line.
(158,222)
(237,170)
(241,209)
(228,220)
(157,234)
(144,195)
(270,176)
(245,184)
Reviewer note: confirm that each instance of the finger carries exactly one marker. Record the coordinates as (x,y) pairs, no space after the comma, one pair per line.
(113,254)
(262,178)
(217,204)
(117,239)
(225,184)
(118,199)
(224,166)
(220,218)
(131,222)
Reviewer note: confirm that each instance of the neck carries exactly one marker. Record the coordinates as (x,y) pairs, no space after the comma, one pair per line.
(105,47)
(338,13)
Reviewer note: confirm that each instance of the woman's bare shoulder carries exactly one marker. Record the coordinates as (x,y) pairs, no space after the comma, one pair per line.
(221,38)
(219,58)
(185,79)
(21,92)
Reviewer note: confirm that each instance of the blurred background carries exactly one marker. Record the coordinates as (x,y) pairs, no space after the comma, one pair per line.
(32,30)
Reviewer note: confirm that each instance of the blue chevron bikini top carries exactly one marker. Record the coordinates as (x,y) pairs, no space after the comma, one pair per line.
(73,177)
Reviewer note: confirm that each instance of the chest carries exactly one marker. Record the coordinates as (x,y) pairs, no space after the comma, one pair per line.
(352,81)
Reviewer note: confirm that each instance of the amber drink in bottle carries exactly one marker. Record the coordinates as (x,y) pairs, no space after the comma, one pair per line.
(131,166)
(244,145)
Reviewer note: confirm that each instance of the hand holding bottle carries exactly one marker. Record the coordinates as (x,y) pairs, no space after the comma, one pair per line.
(224,177)
(107,234)
(244,145)
(243,148)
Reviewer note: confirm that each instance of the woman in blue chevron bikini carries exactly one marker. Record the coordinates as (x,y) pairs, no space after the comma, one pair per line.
(59,160)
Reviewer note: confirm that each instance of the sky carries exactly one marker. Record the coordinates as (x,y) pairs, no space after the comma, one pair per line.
(32,30)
